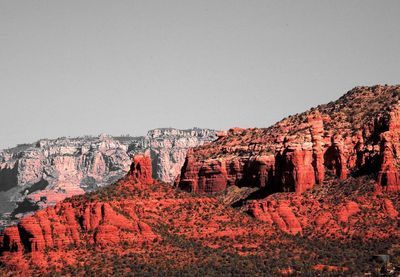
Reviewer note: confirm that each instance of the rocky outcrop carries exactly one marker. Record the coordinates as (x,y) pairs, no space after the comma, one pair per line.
(355,135)
(34,176)
(209,177)
(156,224)
(389,174)
(278,213)
(72,224)
(135,216)
(65,225)
(326,212)
(167,149)
(141,168)
(50,170)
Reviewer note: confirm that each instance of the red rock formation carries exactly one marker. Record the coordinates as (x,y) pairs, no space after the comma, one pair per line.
(141,168)
(297,169)
(11,240)
(358,134)
(317,132)
(154,224)
(325,155)
(278,213)
(129,217)
(209,177)
(329,214)
(389,174)
(66,225)
(94,222)
(349,209)
(390,209)
(335,158)
(50,170)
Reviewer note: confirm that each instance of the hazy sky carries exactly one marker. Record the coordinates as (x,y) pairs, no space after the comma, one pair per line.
(70,68)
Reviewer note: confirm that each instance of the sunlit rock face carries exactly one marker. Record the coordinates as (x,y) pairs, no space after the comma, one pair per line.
(359,134)
(80,220)
(167,148)
(33,176)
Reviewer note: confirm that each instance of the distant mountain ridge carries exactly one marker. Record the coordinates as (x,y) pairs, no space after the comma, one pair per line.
(36,175)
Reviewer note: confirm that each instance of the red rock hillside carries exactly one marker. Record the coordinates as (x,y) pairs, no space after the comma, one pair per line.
(315,194)
(75,222)
(353,136)
(139,226)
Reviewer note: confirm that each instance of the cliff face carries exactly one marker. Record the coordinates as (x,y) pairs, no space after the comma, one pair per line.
(139,226)
(167,149)
(389,175)
(70,223)
(33,176)
(355,135)
(135,215)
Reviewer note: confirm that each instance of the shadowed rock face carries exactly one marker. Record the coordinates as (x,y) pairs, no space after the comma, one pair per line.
(8,177)
(355,135)
(48,171)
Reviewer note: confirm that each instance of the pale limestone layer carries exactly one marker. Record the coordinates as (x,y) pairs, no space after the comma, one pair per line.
(50,170)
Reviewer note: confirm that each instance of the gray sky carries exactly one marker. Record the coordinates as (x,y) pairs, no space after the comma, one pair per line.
(70,68)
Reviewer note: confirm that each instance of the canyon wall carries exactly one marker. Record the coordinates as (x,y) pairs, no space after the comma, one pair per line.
(33,176)
(167,149)
(355,135)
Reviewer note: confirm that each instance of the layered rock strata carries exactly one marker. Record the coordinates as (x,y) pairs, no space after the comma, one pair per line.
(355,135)
(73,224)
(33,176)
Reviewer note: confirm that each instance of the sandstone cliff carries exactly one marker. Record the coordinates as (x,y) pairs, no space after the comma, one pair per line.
(33,176)
(167,149)
(356,135)
(135,215)
(139,226)
(63,225)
